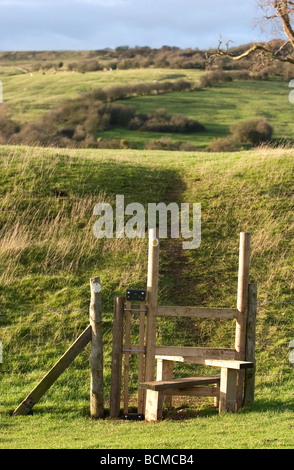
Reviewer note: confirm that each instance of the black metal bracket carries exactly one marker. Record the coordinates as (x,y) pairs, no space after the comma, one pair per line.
(136,294)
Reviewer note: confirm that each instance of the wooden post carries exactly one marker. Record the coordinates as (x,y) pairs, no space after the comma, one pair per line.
(127,346)
(141,392)
(165,370)
(250,345)
(242,306)
(116,366)
(227,396)
(96,356)
(152,291)
(154,402)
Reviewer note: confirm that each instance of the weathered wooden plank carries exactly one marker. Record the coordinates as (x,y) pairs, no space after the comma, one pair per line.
(141,394)
(226,363)
(229,363)
(96,355)
(228,388)
(162,357)
(180,383)
(164,371)
(116,365)
(127,356)
(48,380)
(203,353)
(154,401)
(197,312)
(193,392)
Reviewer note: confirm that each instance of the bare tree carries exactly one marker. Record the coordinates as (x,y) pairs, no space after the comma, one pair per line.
(280,13)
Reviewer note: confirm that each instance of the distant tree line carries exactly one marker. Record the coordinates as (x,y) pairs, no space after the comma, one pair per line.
(124,57)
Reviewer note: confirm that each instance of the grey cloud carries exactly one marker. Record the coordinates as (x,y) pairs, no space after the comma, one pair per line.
(91,24)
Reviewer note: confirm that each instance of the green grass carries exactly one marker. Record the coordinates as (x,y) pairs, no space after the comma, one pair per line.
(259,428)
(48,253)
(217,108)
(31,94)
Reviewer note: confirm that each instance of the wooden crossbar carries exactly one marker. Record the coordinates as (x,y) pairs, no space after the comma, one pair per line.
(201,353)
(197,312)
(226,363)
(183,311)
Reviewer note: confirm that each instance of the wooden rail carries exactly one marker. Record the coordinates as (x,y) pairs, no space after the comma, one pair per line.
(197,312)
(201,353)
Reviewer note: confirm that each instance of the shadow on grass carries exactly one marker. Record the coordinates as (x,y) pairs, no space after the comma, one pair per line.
(77,179)
(261,406)
(178,412)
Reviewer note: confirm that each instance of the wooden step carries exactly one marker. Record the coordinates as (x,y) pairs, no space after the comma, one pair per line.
(180,383)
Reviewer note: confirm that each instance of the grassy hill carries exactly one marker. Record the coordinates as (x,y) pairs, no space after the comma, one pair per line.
(48,253)
(30,95)
(217,108)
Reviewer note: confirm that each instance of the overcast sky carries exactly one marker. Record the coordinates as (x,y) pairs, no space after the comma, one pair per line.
(95,24)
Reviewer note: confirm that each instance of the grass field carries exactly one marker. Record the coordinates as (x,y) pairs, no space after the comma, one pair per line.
(48,253)
(219,107)
(31,95)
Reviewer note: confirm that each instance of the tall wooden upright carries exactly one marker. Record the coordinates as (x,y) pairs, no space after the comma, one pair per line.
(250,345)
(242,307)
(96,356)
(116,365)
(152,293)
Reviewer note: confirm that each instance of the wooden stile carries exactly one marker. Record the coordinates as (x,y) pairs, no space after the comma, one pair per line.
(96,356)
(233,362)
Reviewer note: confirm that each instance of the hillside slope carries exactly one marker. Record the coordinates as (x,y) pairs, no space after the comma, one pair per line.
(48,251)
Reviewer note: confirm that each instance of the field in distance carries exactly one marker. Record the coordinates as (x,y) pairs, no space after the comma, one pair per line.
(32,94)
